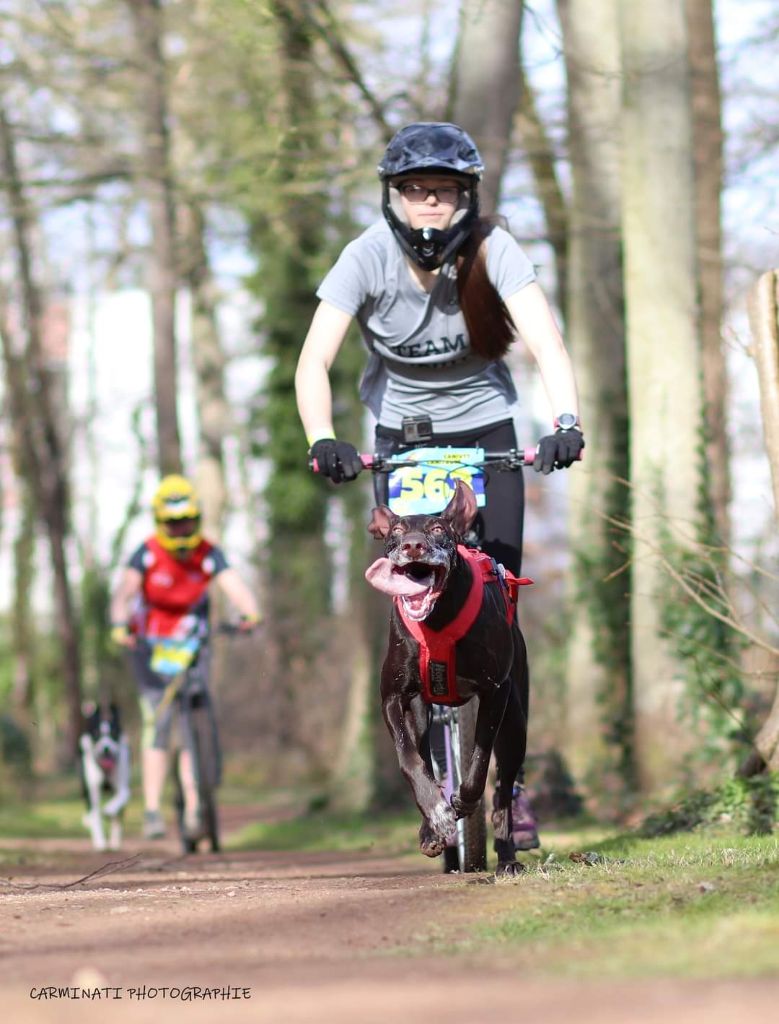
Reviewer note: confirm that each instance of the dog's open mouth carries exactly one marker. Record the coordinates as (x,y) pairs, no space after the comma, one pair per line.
(417,584)
(429,579)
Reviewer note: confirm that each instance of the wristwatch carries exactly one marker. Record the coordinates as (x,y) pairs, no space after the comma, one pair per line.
(567,421)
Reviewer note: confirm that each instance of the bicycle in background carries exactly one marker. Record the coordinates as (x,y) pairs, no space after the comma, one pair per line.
(187,696)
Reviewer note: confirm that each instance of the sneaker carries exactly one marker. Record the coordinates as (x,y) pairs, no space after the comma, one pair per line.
(193,826)
(153,825)
(524,827)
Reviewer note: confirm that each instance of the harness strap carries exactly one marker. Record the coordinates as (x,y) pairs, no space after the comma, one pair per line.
(437,648)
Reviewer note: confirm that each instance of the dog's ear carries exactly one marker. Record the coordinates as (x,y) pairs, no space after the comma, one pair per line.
(381,522)
(461,510)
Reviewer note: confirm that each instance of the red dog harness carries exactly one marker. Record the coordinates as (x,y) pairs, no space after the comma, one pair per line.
(437,648)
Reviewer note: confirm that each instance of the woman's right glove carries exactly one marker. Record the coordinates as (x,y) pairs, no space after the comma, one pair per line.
(337,460)
(121,635)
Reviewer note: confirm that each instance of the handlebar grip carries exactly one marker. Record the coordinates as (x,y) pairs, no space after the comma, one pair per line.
(365,458)
(529,456)
(236,629)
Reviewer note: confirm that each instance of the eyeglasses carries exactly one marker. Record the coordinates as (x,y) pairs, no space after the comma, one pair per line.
(449,194)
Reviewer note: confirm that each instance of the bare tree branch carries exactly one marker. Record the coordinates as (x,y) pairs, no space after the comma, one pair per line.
(324,22)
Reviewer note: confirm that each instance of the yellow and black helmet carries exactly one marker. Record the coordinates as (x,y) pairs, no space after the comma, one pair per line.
(177,514)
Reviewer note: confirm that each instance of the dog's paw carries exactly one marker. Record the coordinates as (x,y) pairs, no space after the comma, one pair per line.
(508,870)
(463,808)
(434,832)
(429,843)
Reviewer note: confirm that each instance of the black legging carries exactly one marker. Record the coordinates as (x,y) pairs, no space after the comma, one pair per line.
(499,523)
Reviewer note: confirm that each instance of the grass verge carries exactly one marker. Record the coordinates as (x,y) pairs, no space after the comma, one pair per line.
(693,906)
(323,831)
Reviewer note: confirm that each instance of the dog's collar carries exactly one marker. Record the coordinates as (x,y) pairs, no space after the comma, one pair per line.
(437,653)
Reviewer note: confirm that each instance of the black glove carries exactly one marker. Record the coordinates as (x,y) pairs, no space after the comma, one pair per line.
(337,459)
(558,450)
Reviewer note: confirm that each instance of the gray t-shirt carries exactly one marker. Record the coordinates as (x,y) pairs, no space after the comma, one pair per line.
(421,361)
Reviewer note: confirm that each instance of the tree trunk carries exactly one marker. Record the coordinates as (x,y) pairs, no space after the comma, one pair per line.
(707,142)
(209,361)
(484,92)
(540,153)
(23,632)
(598,677)
(351,785)
(764,323)
(33,412)
(159,191)
(297,560)
(664,361)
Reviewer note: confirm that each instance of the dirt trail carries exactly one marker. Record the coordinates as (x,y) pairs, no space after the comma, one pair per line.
(313,937)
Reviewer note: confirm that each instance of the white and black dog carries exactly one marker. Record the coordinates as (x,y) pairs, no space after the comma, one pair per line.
(105,771)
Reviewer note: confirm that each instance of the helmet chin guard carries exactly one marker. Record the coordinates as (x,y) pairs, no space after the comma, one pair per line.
(430,247)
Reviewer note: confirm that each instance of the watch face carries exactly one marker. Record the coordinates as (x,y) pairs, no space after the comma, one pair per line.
(566,420)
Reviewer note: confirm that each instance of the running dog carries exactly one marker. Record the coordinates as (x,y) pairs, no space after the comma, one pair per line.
(105,771)
(453,636)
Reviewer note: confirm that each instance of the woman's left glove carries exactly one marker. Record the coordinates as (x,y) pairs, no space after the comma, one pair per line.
(558,450)
(338,460)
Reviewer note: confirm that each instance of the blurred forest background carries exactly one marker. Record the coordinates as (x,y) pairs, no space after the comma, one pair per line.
(176,176)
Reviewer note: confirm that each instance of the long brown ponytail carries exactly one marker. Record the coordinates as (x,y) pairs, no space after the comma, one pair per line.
(489,324)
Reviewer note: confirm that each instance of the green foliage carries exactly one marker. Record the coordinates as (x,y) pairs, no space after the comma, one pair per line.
(707,647)
(275,125)
(748,806)
(287,124)
(43,656)
(93,621)
(15,749)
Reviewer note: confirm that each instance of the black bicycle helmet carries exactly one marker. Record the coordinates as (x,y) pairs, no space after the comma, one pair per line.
(433,147)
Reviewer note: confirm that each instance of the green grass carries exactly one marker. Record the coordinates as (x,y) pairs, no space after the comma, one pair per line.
(683,906)
(55,806)
(56,818)
(319,830)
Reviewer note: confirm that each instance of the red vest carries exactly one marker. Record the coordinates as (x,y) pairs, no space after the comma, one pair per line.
(173,587)
(437,650)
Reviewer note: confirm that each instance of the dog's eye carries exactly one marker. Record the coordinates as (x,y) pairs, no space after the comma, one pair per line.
(437,528)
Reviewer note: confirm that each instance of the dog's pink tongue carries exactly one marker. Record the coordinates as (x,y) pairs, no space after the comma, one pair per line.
(381,576)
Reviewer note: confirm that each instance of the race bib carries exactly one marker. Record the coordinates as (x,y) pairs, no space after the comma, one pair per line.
(427,487)
(170,656)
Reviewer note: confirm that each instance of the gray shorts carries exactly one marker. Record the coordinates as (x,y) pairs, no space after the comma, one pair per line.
(156,725)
